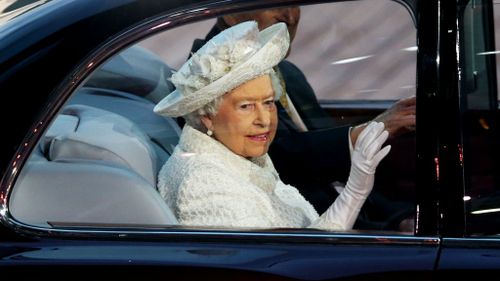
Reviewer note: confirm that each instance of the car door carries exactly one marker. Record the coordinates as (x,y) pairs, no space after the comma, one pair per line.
(74,211)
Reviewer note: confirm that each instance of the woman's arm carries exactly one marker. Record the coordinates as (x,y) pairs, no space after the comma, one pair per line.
(366,156)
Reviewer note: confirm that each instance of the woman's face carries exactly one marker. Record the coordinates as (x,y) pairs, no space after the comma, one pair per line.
(247,119)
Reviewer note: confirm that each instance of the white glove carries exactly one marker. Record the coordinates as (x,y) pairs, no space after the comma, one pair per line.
(365,157)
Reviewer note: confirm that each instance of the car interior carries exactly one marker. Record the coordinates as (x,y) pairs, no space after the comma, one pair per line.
(98,161)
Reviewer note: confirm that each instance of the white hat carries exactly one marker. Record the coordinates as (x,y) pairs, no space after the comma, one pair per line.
(234,56)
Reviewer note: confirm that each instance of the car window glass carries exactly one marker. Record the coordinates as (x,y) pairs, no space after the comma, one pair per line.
(10,9)
(100,162)
(479,103)
(367,51)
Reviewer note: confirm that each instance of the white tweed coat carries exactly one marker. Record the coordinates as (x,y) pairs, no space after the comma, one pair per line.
(206,184)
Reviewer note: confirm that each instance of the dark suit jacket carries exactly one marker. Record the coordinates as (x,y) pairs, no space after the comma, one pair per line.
(309,160)
(318,156)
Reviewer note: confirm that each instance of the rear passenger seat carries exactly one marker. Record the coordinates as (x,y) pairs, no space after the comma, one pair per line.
(92,167)
(99,160)
(162,132)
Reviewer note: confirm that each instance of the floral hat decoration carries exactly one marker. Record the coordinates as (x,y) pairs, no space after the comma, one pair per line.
(234,56)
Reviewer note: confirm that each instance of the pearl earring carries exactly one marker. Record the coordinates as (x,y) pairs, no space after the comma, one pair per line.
(209,132)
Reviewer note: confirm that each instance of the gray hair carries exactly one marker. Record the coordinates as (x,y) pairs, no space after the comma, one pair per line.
(193,119)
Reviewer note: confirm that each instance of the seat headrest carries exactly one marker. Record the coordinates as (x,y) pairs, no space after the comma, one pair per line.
(135,70)
(85,133)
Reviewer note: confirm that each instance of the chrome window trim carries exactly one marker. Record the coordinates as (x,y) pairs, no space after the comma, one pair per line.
(91,63)
(472,241)
(232,235)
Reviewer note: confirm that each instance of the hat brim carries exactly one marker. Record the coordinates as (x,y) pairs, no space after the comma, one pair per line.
(275,43)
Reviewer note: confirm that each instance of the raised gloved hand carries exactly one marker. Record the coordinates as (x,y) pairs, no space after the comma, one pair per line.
(365,157)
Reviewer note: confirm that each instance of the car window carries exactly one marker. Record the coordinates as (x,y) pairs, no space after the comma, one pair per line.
(10,9)
(365,52)
(103,159)
(479,103)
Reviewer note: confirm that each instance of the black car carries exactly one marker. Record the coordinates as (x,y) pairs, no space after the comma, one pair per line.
(81,146)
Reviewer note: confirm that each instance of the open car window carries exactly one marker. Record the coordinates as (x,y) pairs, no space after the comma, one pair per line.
(98,163)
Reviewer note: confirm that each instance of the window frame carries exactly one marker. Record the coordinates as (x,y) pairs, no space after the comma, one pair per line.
(110,48)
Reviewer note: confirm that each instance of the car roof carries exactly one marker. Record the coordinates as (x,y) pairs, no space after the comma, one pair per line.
(91,18)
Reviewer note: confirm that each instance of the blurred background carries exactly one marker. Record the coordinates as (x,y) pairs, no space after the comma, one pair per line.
(347,50)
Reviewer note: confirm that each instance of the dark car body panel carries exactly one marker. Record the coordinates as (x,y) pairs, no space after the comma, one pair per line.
(303,261)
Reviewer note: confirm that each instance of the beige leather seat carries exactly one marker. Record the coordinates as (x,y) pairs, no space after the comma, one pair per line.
(91,167)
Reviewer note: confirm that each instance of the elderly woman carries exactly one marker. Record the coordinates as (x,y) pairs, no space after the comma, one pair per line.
(220,173)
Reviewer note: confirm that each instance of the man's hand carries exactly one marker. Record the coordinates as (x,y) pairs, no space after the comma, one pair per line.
(398,119)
